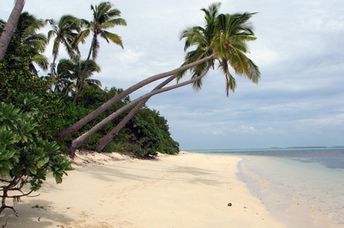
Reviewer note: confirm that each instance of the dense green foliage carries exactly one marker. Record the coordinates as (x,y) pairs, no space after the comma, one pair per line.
(146,134)
(53,96)
(21,143)
(26,157)
(35,105)
(143,136)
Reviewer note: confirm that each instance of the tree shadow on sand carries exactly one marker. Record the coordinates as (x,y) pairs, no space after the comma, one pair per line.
(113,173)
(35,213)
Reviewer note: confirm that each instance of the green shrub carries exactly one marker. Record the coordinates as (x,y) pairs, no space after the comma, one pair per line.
(25,157)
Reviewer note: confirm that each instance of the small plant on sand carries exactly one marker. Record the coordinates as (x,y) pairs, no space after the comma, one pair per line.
(25,157)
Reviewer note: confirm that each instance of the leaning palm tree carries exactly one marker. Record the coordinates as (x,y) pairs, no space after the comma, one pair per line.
(65,32)
(195,36)
(10,27)
(69,73)
(227,47)
(108,104)
(26,39)
(85,120)
(218,34)
(172,73)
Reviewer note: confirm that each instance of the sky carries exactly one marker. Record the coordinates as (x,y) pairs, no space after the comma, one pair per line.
(299,100)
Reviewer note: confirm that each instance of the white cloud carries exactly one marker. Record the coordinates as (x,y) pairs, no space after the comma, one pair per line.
(129,56)
(299,51)
(264,56)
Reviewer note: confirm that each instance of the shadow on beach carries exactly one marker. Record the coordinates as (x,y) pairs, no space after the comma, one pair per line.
(36,213)
(113,173)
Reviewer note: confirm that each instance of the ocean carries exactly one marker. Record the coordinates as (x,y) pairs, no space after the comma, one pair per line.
(302,187)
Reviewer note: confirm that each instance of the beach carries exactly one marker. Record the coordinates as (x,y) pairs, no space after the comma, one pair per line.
(186,190)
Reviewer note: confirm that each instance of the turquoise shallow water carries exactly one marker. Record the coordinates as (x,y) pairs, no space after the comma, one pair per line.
(301,187)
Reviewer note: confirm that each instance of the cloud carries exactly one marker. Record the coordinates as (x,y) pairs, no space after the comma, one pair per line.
(299,100)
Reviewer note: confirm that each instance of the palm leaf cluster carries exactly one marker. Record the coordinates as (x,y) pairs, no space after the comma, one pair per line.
(65,31)
(27,38)
(104,18)
(67,76)
(70,77)
(225,36)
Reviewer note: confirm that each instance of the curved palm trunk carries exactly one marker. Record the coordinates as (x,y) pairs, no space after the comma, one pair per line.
(10,27)
(125,93)
(109,136)
(76,143)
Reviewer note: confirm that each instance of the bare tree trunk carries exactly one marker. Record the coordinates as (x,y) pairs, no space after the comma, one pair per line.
(125,93)
(10,27)
(109,136)
(76,143)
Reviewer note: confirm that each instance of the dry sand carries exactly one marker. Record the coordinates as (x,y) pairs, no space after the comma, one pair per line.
(188,190)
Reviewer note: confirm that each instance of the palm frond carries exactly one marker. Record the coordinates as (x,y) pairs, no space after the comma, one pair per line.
(93,82)
(226,37)
(81,37)
(119,21)
(112,37)
(92,67)
(41,61)
(230,83)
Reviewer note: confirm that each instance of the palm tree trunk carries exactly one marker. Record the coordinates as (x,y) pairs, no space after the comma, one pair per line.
(83,71)
(105,106)
(10,27)
(53,72)
(109,136)
(53,65)
(76,143)
(91,47)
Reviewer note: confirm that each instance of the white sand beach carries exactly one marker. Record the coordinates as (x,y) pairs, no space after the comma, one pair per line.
(187,190)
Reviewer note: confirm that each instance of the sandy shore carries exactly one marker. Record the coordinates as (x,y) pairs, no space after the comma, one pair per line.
(188,190)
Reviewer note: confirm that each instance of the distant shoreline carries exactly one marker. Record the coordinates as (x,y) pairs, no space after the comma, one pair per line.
(262,148)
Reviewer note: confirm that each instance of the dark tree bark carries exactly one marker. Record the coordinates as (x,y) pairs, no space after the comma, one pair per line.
(10,27)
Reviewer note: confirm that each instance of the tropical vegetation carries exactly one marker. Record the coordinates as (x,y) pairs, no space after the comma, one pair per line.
(46,113)
(38,102)
(222,42)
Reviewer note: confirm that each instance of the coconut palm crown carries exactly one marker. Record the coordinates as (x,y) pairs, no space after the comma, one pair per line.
(26,39)
(104,18)
(225,36)
(70,75)
(65,32)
